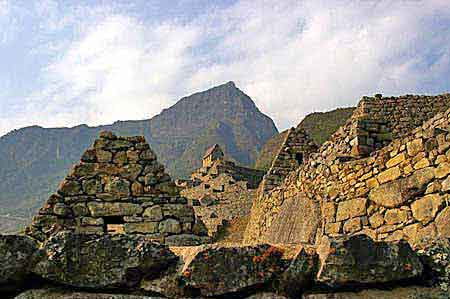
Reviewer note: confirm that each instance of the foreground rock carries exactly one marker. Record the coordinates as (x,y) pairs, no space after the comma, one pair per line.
(15,259)
(214,270)
(109,261)
(360,260)
(300,273)
(55,293)
(398,293)
(221,270)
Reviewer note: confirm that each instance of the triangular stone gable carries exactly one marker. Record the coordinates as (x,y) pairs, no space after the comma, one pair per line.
(117,187)
(295,150)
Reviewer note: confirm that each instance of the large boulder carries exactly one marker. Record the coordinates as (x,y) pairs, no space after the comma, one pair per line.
(214,270)
(360,260)
(109,261)
(300,273)
(397,293)
(57,293)
(16,259)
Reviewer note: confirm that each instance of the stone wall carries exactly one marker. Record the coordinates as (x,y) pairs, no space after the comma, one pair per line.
(118,188)
(295,150)
(221,193)
(399,192)
(379,120)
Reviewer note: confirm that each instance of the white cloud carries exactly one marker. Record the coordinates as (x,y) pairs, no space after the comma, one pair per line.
(291,57)
(118,70)
(294,59)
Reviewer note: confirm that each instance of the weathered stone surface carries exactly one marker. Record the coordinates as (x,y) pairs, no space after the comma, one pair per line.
(118,187)
(395,216)
(360,260)
(92,186)
(141,227)
(299,275)
(16,259)
(99,209)
(101,262)
(105,194)
(186,240)
(170,226)
(59,293)
(389,175)
(255,265)
(103,156)
(397,293)
(395,193)
(297,221)
(69,188)
(153,213)
(351,208)
(426,208)
(443,223)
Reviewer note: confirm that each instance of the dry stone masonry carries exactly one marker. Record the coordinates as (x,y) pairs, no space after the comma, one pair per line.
(398,192)
(295,150)
(220,191)
(118,188)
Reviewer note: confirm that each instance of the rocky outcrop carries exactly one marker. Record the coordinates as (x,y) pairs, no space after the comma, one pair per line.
(126,266)
(119,187)
(360,260)
(16,259)
(89,261)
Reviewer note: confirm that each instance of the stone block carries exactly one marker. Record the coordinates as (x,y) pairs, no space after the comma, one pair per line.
(153,213)
(170,226)
(142,227)
(394,216)
(352,225)
(389,175)
(99,209)
(351,208)
(415,146)
(426,208)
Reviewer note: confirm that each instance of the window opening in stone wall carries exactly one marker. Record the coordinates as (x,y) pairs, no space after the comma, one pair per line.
(299,158)
(114,224)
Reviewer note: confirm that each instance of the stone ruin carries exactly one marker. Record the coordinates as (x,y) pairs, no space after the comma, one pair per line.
(295,151)
(375,176)
(220,191)
(118,188)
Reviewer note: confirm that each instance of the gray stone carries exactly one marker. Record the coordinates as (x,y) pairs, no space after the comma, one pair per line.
(87,261)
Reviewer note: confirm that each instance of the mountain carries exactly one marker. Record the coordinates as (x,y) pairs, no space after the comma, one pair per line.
(34,159)
(319,125)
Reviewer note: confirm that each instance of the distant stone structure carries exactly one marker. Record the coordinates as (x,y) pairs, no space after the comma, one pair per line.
(213,154)
(380,174)
(220,191)
(118,188)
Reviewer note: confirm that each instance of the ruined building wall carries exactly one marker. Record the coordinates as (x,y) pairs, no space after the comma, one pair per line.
(118,187)
(379,120)
(297,146)
(398,192)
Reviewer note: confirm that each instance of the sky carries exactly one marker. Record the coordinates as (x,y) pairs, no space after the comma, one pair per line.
(65,63)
